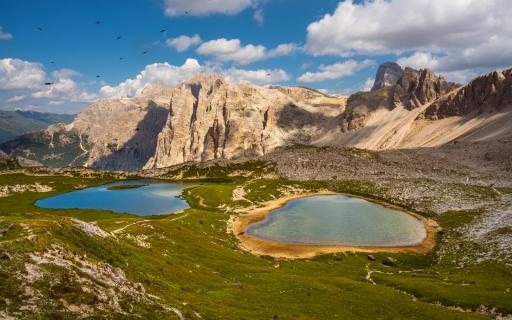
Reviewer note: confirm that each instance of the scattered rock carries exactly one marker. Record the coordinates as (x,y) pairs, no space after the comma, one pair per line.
(389,261)
(5,256)
(371,257)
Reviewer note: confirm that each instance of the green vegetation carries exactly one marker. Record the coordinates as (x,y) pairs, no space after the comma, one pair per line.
(126,186)
(16,123)
(194,265)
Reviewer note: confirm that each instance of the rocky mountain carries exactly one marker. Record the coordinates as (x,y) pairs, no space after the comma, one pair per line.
(201,119)
(387,75)
(423,110)
(16,123)
(207,118)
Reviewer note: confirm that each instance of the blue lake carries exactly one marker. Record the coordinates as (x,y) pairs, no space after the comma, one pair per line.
(155,198)
(339,220)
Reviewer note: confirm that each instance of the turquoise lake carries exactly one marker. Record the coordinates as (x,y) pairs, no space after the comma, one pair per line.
(339,220)
(156,198)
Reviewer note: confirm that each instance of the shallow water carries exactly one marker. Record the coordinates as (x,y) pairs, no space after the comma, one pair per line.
(154,199)
(339,220)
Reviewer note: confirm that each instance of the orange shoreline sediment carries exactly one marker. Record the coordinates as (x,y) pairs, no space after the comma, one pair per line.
(239,223)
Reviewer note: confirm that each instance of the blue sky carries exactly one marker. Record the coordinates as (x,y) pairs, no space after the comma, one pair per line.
(325,44)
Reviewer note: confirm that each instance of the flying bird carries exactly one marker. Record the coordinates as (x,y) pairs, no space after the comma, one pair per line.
(49,83)
(39,28)
(120,58)
(97,76)
(269,74)
(52,62)
(118,37)
(144,52)
(186,12)
(163,30)
(98,22)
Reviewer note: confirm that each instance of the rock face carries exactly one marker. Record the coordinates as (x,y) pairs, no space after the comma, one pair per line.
(201,119)
(487,93)
(211,119)
(423,110)
(418,88)
(207,118)
(387,75)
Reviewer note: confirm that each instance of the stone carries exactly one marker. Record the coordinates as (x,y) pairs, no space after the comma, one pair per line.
(389,261)
(418,88)
(371,257)
(387,75)
(487,93)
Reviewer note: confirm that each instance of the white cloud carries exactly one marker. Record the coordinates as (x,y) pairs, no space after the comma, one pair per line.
(443,35)
(258,16)
(419,60)
(206,7)
(16,98)
(16,74)
(171,75)
(163,73)
(4,35)
(182,43)
(231,50)
(368,84)
(335,71)
(260,77)
(64,88)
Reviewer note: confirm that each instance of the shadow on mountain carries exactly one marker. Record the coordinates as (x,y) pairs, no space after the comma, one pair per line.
(134,154)
(294,117)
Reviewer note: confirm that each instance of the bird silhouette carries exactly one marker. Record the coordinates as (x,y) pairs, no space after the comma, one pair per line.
(120,58)
(163,30)
(186,12)
(144,52)
(48,83)
(97,76)
(52,62)
(118,37)
(98,22)
(39,28)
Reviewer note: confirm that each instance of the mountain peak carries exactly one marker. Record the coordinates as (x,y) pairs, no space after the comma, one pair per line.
(387,75)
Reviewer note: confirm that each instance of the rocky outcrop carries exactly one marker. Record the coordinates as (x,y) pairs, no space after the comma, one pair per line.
(361,105)
(211,119)
(387,75)
(417,88)
(207,118)
(487,93)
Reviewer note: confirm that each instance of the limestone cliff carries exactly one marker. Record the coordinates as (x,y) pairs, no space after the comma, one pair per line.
(487,93)
(210,119)
(387,75)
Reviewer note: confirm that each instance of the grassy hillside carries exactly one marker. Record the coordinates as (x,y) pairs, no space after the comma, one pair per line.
(16,123)
(188,266)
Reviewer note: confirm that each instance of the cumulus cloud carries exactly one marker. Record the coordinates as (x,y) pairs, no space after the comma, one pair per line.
(368,84)
(443,35)
(182,43)
(27,80)
(335,71)
(16,74)
(64,88)
(206,7)
(163,73)
(231,50)
(4,35)
(167,74)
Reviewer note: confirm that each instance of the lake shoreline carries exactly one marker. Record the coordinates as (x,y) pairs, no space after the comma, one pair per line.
(239,223)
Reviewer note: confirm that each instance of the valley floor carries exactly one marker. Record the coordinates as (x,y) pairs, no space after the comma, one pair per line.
(68,264)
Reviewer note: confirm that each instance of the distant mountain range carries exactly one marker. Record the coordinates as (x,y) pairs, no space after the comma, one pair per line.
(208,118)
(16,123)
